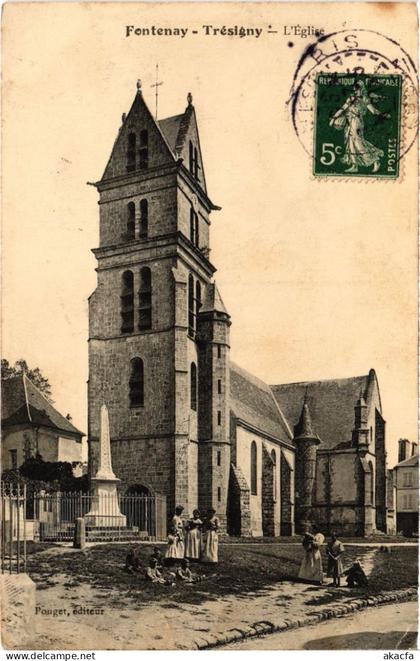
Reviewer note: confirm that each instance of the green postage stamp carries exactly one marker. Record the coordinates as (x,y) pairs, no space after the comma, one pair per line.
(357,125)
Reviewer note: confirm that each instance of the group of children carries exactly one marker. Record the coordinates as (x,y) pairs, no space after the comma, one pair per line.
(194,539)
(157,570)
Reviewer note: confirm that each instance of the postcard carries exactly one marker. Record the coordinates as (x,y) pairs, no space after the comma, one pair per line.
(209,367)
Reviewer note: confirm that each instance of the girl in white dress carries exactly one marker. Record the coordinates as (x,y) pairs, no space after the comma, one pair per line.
(193,541)
(178,524)
(211,544)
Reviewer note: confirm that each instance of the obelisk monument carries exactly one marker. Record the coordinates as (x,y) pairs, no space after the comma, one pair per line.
(105,510)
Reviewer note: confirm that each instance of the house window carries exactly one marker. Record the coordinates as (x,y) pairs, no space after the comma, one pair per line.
(219,418)
(407,501)
(131,152)
(219,494)
(145,299)
(407,479)
(253,468)
(191,312)
(219,351)
(144,150)
(131,221)
(13,459)
(219,458)
(144,219)
(219,386)
(275,482)
(127,302)
(193,386)
(136,384)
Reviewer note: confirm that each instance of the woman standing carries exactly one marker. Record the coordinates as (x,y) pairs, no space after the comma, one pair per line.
(211,544)
(193,540)
(177,525)
(311,566)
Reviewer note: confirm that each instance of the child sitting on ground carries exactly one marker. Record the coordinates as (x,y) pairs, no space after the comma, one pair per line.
(157,555)
(153,574)
(356,577)
(132,561)
(185,574)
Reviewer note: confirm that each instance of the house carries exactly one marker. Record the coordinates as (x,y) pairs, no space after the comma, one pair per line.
(406,481)
(31,425)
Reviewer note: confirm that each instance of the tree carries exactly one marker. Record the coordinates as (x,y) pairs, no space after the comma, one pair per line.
(35,375)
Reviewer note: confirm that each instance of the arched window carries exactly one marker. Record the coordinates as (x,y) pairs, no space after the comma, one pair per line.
(193,386)
(191,311)
(136,383)
(275,479)
(144,218)
(192,226)
(131,152)
(131,221)
(197,299)
(145,299)
(253,468)
(144,150)
(194,237)
(191,154)
(195,162)
(127,302)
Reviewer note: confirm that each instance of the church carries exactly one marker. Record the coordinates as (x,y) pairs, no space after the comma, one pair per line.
(185,421)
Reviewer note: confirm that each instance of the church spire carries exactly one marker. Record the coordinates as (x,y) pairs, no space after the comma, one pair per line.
(304,430)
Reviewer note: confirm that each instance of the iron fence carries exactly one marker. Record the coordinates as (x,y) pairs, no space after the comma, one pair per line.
(13,528)
(112,517)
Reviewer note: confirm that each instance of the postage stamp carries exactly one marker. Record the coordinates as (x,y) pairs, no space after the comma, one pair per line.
(357,125)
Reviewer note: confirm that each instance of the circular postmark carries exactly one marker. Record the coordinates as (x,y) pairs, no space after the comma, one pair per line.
(370,64)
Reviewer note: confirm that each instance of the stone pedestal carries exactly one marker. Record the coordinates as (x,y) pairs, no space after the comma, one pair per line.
(105,510)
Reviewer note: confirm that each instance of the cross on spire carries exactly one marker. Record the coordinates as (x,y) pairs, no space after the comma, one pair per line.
(156,85)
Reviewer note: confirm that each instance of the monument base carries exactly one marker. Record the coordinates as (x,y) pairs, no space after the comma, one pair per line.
(105,509)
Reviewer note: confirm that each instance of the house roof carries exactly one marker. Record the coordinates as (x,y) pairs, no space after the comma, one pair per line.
(252,401)
(411,461)
(331,404)
(22,403)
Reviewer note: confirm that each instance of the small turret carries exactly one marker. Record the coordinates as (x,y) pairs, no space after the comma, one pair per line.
(360,435)
(306,440)
(212,337)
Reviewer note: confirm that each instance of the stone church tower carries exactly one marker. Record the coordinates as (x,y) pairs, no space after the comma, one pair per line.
(158,329)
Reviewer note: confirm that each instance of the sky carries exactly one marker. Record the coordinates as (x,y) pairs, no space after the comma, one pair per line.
(320,278)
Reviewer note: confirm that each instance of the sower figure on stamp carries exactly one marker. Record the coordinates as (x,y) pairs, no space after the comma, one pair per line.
(359,152)
(335,550)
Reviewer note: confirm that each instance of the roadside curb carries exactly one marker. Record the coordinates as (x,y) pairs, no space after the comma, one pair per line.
(263,627)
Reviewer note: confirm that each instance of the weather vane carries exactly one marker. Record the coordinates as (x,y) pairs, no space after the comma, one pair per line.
(156,86)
